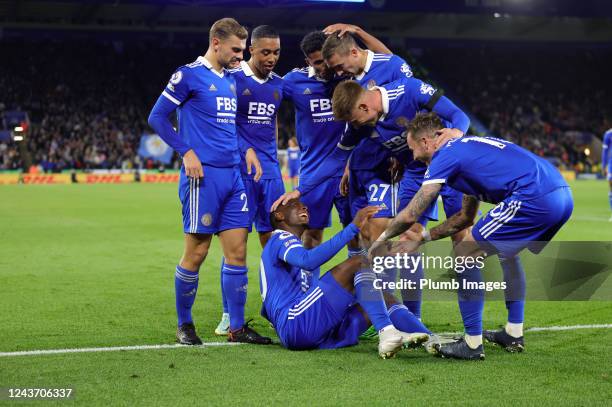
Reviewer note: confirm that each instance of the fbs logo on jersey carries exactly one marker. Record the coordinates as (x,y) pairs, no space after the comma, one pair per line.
(246,92)
(307,91)
(212,88)
(206,219)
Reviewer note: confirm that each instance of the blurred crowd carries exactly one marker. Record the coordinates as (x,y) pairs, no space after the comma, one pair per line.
(88,102)
(549,100)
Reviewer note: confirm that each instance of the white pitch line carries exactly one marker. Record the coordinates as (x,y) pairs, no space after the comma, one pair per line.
(568,328)
(215,344)
(112,349)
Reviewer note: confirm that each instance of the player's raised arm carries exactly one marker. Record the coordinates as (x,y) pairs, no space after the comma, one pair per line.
(369,41)
(411,214)
(294,253)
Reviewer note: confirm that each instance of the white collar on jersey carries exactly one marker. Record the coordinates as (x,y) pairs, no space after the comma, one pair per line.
(385,102)
(207,64)
(368,65)
(249,72)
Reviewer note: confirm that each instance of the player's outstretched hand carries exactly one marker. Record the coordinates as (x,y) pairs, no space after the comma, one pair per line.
(192,164)
(364,215)
(251,161)
(286,197)
(341,28)
(445,135)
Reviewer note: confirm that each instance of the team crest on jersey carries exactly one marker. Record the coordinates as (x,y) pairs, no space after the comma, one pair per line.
(371,84)
(402,121)
(233,88)
(276,95)
(307,91)
(212,88)
(176,77)
(406,70)
(206,219)
(246,92)
(427,89)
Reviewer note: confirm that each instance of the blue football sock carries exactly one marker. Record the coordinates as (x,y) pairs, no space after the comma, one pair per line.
(235,281)
(471,301)
(223,299)
(514,276)
(185,289)
(388,276)
(412,298)
(406,321)
(371,299)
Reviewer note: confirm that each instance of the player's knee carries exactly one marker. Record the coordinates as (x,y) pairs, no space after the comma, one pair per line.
(237,256)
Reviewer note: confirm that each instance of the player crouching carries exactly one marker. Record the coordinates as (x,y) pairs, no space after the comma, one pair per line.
(312,313)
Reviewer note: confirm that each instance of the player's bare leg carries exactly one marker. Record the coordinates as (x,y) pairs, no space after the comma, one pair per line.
(235,281)
(186,284)
(263,238)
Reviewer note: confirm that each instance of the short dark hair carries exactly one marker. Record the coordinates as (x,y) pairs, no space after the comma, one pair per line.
(263,31)
(273,221)
(312,42)
(429,122)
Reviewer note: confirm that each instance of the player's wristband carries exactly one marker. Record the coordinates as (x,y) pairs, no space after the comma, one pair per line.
(426,235)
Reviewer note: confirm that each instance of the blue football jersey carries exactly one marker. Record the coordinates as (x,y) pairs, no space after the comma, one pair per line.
(206,111)
(258,102)
(380,69)
(492,170)
(316,130)
(401,100)
(290,282)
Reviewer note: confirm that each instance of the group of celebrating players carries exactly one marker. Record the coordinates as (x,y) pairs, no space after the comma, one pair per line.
(380,146)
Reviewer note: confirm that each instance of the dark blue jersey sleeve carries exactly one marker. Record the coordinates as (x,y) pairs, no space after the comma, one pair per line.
(160,122)
(294,253)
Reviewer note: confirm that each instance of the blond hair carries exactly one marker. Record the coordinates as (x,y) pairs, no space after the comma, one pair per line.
(424,122)
(345,99)
(225,28)
(338,45)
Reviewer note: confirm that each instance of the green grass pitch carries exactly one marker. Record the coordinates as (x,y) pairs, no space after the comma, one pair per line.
(92,266)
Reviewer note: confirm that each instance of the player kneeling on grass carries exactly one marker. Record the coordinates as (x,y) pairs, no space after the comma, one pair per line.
(312,313)
(533,202)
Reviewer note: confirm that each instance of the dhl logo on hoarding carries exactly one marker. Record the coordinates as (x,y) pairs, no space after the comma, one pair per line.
(105,178)
(160,178)
(46,179)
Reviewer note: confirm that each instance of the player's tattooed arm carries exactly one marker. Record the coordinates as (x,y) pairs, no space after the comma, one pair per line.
(372,43)
(411,214)
(459,221)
